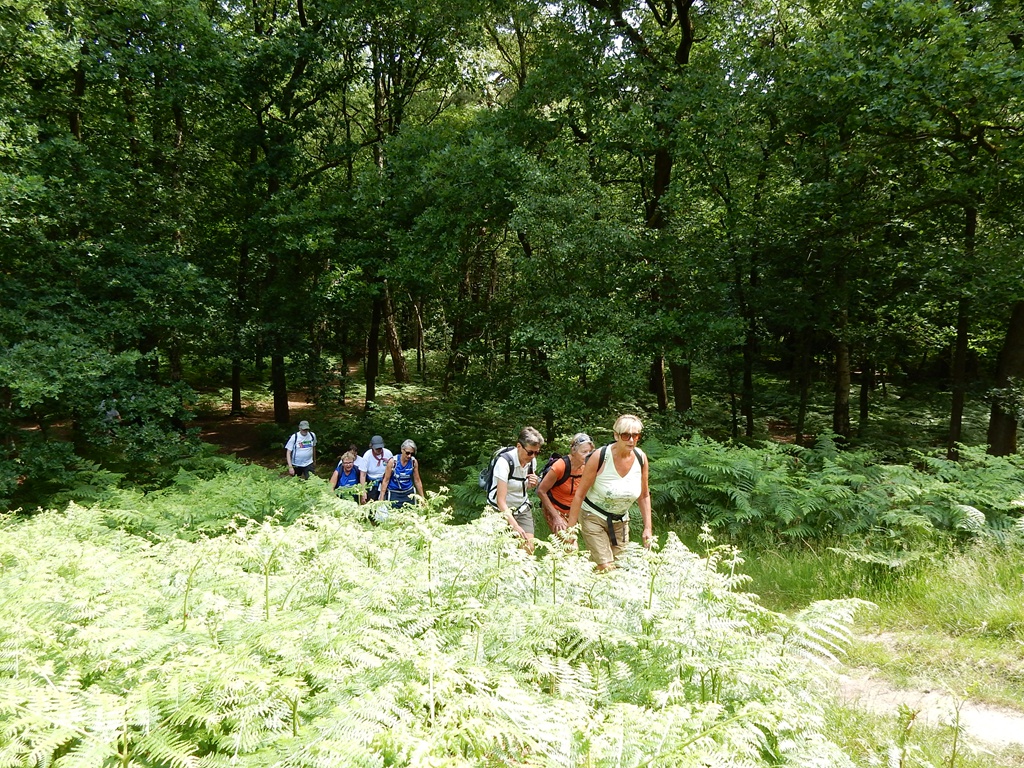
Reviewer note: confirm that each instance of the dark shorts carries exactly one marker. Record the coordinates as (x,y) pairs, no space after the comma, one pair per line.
(400,498)
(304,472)
(373,490)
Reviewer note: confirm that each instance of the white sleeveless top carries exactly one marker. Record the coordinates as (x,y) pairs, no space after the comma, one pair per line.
(611,491)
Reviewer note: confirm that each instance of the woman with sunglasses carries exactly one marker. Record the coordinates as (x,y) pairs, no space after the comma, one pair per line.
(401,476)
(614,477)
(558,486)
(515,472)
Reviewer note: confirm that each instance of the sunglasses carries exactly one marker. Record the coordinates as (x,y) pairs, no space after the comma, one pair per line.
(531,453)
(408,453)
(629,435)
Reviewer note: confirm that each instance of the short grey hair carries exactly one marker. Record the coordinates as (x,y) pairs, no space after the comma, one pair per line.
(530,436)
(408,444)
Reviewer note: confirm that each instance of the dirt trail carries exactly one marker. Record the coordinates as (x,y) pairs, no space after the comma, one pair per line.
(992,726)
(241,436)
(985,725)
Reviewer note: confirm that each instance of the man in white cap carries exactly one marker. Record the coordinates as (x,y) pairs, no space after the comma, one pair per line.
(300,451)
(371,466)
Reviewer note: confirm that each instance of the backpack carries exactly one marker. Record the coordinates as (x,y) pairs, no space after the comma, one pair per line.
(566,474)
(486,479)
(296,437)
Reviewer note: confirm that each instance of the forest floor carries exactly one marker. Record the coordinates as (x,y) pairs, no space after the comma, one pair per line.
(242,436)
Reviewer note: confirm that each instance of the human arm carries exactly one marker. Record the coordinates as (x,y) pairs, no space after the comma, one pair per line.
(502,471)
(555,520)
(386,478)
(644,503)
(361,466)
(288,454)
(416,479)
(585,484)
(335,476)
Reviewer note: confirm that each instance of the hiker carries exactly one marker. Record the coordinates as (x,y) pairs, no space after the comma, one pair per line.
(300,452)
(371,469)
(614,477)
(401,476)
(558,485)
(515,472)
(346,477)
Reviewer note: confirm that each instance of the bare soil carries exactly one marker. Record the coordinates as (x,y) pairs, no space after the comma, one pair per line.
(241,435)
(984,725)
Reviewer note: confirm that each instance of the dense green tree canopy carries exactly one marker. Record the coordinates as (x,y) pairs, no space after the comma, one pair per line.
(572,205)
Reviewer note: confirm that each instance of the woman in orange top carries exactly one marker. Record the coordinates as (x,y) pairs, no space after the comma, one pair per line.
(559,484)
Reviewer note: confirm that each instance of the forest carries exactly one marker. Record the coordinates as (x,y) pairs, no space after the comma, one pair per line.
(788,235)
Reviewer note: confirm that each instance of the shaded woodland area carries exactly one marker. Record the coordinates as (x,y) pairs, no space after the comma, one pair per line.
(563,207)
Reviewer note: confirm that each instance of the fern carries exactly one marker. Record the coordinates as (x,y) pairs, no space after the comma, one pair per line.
(330,642)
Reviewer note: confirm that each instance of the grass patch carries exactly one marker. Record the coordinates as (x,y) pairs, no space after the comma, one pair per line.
(907,741)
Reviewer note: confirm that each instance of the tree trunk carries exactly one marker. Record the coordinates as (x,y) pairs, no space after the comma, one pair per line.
(280,387)
(959,378)
(394,342)
(959,372)
(804,378)
(1002,425)
(372,364)
(421,344)
(867,384)
(747,394)
(658,382)
(841,406)
(236,387)
(681,391)
(78,92)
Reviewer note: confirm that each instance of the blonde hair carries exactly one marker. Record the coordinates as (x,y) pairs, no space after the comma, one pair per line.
(348,456)
(627,422)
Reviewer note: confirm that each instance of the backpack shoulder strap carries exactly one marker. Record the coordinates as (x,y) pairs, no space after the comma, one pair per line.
(636,452)
(566,471)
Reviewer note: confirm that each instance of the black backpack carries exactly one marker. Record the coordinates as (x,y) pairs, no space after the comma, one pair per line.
(486,479)
(552,460)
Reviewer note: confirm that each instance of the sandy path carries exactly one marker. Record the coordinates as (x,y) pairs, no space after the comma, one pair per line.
(983,724)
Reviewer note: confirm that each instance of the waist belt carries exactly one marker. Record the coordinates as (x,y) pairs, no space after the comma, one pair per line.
(609,518)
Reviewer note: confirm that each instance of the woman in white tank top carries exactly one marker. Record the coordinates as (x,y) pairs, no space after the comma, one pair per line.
(613,479)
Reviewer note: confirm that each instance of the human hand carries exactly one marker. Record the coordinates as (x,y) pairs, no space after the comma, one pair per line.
(532,481)
(648,538)
(291,470)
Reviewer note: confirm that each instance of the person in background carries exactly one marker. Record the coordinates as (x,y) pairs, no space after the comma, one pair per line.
(515,473)
(345,479)
(300,452)
(614,477)
(558,486)
(371,467)
(402,476)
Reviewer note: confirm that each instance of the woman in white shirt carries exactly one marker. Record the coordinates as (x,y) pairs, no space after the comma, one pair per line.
(614,478)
